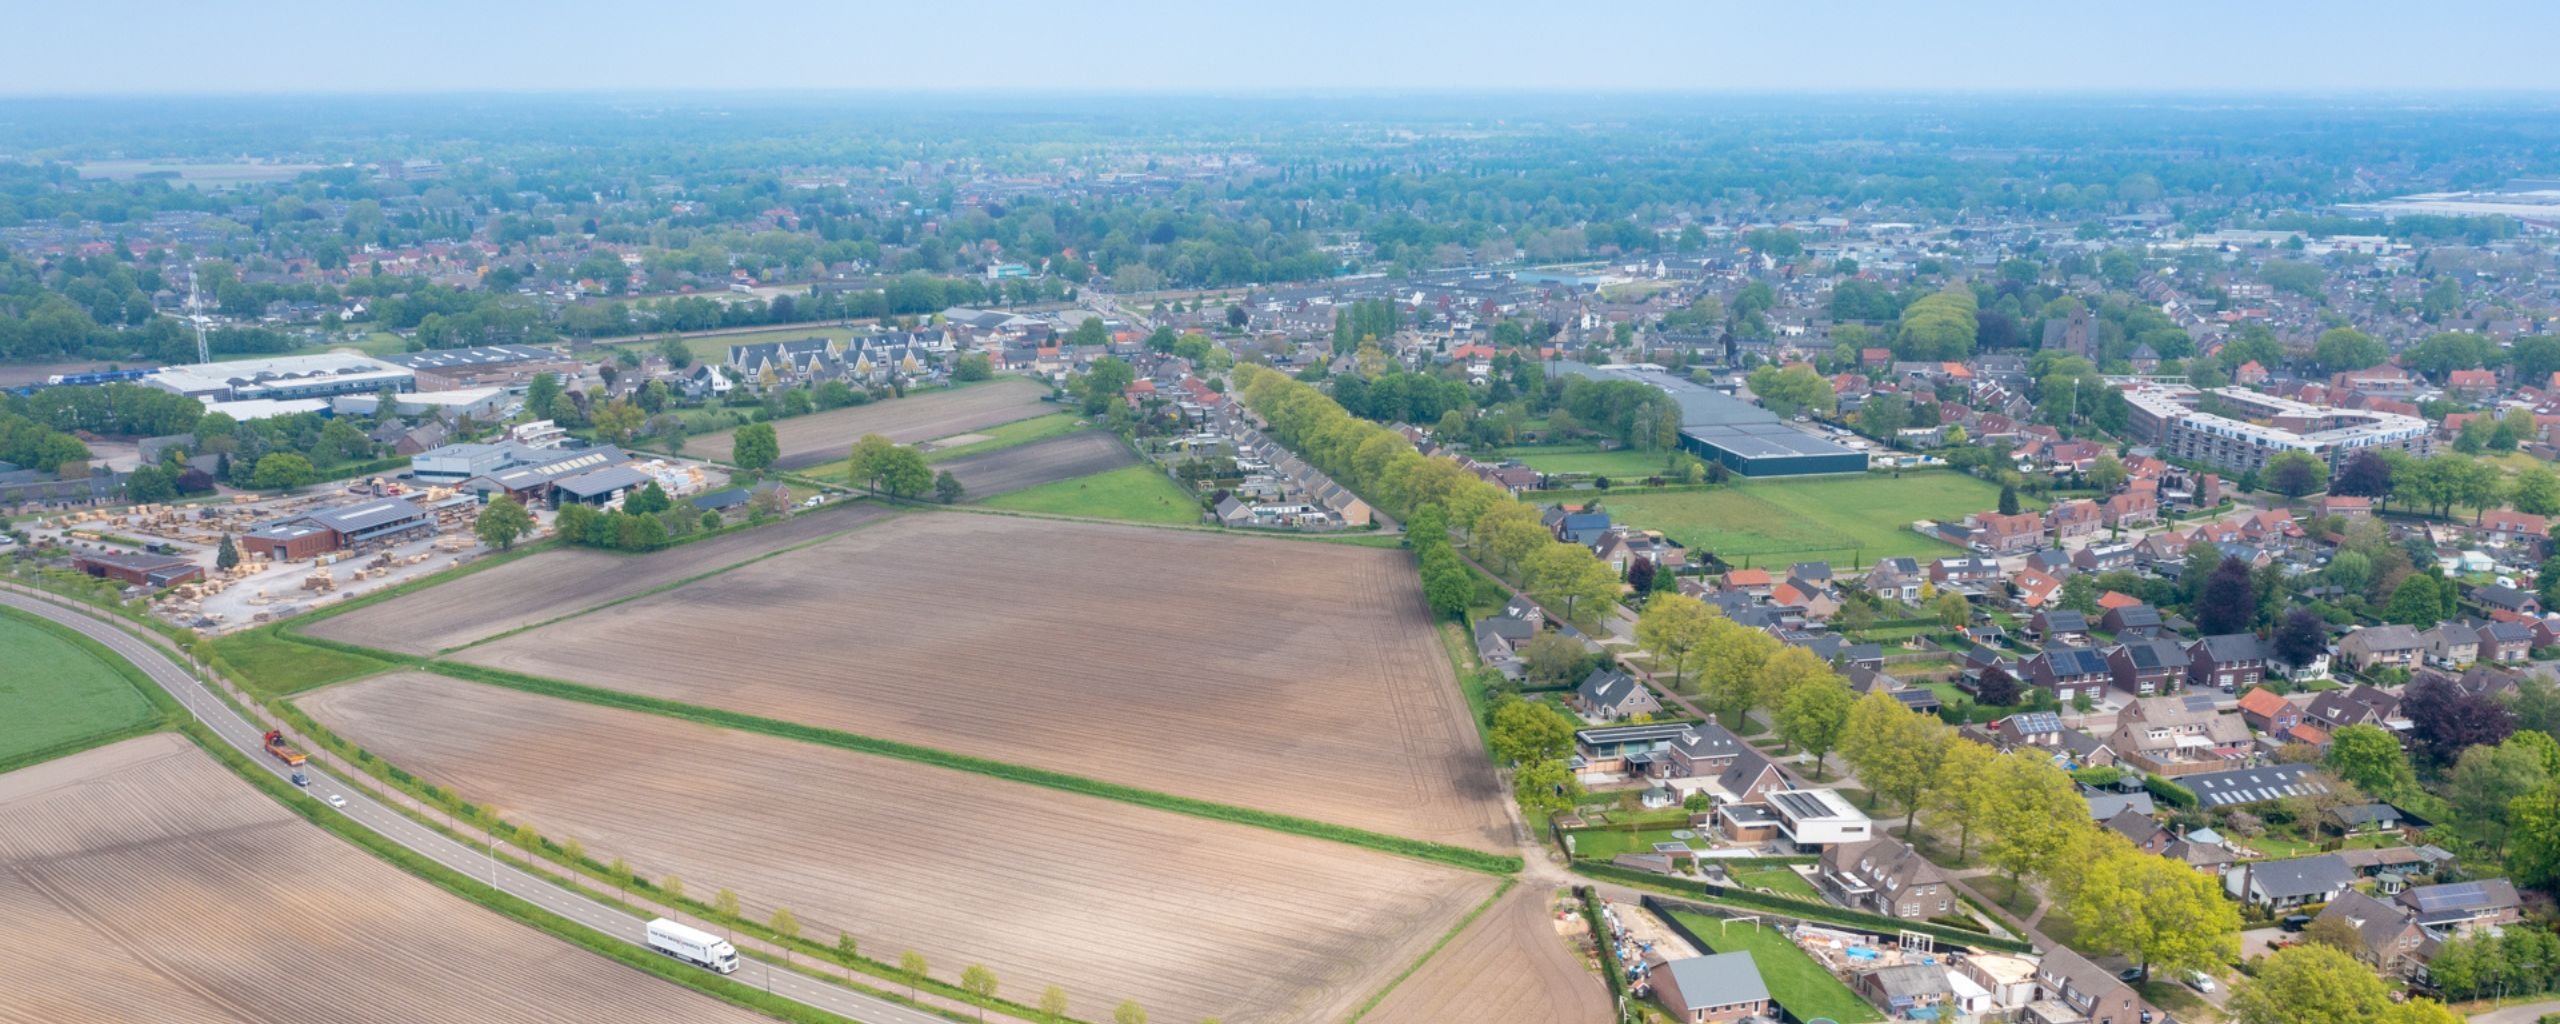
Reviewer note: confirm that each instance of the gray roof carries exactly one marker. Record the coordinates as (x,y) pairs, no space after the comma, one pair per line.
(2302,876)
(1720,980)
(2147,655)
(2254,785)
(365,516)
(603,481)
(1604,688)
(2227,648)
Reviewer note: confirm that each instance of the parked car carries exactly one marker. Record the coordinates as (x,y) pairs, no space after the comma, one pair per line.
(2297,922)
(2200,981)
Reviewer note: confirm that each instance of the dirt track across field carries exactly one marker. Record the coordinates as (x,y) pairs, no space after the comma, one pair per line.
(565,581)
(1288,676)
(142,882)
(1107,900)
(1065,457)
(1511,966)
(820,438)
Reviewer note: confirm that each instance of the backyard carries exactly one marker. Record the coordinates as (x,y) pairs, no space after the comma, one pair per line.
(58,692)
(1794,979)
(1138,494)
(1850,520)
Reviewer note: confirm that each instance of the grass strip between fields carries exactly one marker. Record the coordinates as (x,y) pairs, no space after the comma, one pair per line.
(167,712)
(1445,938)
(310,809)
(1457,856)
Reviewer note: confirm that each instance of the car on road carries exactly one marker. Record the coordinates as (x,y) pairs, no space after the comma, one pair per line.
(2129,974)
(337,801)
(2200,981)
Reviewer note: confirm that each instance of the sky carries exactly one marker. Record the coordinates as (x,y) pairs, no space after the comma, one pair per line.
(1209,47)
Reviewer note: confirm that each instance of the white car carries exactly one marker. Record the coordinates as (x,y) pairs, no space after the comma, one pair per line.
(337,801)
(2200,981)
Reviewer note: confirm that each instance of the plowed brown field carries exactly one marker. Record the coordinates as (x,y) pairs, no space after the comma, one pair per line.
(1510,966)
(826,436)
(564,581)
(1065,457)
(1288,676)
(141,882)
(1109,901)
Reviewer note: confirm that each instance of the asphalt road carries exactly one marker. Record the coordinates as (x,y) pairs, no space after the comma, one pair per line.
(250,740)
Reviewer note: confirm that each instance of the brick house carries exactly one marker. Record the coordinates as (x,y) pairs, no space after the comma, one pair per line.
(1885,876)
(2070,672)
(2228,661)
(2147,667)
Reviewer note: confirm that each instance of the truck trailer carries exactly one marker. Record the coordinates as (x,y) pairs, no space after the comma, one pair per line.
(693,945)
(281,750)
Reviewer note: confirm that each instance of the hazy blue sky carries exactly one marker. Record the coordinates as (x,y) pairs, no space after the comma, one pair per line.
(194,46)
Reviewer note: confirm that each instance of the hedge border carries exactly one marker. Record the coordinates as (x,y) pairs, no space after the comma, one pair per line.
(1820,913)
(1455,856)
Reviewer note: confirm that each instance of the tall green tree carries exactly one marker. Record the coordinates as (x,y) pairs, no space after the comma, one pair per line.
(755,447)
(501,523)
(2315,984)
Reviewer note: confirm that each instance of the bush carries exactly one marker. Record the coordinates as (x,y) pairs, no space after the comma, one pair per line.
(2174,794)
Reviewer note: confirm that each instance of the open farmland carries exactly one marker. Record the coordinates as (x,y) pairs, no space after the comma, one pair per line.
(824,437)
(565,581)
(1511,966)
(1106,900)
(1281,675)
(58,693)
(987,474)
(1836,518)
(142,882)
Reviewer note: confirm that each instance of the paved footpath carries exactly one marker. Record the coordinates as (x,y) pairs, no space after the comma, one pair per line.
(369,809)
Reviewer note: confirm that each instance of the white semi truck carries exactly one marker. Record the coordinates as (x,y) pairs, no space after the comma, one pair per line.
(693,945)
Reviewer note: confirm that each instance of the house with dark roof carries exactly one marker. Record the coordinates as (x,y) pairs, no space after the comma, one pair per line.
(2462,908)
(1701,751)
(1749,778)
(2292,882)
(2071,990)
(2388,938)
(2228,661)
(1499,639)
(2147,667)
(2379,647)
(1607,695)
(2505,642)
(1884,876)
(2132,620)
(1896,579)
(1901,989)
(2070,672)
(2333,710)
(2058,626)
(2505,598)
(2236,787)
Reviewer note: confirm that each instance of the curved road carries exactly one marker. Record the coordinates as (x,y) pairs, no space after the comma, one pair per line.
(154,660)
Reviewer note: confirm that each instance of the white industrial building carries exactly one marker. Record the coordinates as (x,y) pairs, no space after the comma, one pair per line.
(320,376)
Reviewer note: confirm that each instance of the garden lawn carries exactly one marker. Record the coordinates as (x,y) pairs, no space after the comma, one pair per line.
(1768,522)
(1784,881)
(275,664)
(1138,494)
(1794,979)
(58,693)
(1618,466)
(1602,844)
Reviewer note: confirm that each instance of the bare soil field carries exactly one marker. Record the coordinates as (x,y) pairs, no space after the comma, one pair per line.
(1511,966)
(1064,457)
(1105,900)
(141,882)
(826,436)
(1287,676)
(565,581)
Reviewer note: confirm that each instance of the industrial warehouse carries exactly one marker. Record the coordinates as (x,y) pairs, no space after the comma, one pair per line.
(1745,438)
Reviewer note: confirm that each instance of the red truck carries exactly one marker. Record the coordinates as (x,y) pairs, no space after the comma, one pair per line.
(281,750)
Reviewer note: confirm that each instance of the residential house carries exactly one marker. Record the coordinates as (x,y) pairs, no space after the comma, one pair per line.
(2034,589)
(2333,710)
(2388,938)
(1814,602)
(2071,990)
(2130,510)
(2131,620)
(1885,876)
(2073,519)
(1896,579)
(2462,908)
(2028,729)
(2528,536)
(1702,751)
(1607,695)
(2177,735)
(1749,779)
(2058,626)
(2228,661)
(2140,829)
(2070,672)
(2268,712)
(1499,639)
(1962,573)
(1996,534)
(1901,989)
(2496,598)
(1755,582)
(2239,787)
(2288,883)
(2147,667)
(1700,989)
(2096,558)
(2380,647)
(2505,643)
(2452,644)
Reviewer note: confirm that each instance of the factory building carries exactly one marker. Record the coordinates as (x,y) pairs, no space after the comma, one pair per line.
(1745,438)
(283,377)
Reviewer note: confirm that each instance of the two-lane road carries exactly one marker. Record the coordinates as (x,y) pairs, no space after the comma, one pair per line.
(360,806)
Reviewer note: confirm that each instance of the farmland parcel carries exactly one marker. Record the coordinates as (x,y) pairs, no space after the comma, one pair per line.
(1286,676)
(1510,966)
(565,581)
(57,693)
(825,437)
(142,882)
(1106,900)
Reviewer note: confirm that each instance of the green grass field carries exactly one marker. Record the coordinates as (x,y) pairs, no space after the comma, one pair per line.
(1139,494)
(1603,843)
(59,693)
(273,663)
(1769,523)
(1784,881)
(1618,465)
(1794,980)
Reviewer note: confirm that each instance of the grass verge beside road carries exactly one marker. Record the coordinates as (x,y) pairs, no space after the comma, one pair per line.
(1457,856)
(1138,494)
